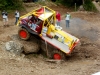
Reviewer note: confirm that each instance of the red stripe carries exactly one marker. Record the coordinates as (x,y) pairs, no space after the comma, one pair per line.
(40,11)
(74,46)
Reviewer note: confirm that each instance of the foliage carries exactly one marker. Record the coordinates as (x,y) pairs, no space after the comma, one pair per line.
(69,3)
(10,4)
(41,2)
(88,5)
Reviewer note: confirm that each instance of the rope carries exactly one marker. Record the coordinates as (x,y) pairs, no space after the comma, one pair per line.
(46,47)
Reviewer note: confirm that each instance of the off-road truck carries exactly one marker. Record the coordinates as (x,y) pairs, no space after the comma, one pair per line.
(41,24)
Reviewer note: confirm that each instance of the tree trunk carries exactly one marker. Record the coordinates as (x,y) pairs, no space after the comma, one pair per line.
(83,2)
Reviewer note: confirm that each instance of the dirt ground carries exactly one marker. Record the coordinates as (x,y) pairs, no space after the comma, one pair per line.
(85,60)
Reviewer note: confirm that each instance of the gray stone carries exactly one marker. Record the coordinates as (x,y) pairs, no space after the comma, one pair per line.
(14,47)
(81,8)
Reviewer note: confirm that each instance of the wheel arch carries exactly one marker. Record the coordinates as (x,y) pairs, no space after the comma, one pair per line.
(28,29)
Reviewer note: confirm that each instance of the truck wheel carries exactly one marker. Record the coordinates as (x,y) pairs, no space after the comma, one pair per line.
(23,34)
(58,55)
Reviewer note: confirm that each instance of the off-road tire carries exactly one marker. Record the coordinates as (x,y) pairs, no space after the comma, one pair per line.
(23,34)
(58,55)
(49,50)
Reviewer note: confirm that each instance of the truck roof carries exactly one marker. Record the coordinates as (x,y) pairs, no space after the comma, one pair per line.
(43,13)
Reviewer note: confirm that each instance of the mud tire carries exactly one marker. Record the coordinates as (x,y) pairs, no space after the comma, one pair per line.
(50,51)
(23,34)
(58,55)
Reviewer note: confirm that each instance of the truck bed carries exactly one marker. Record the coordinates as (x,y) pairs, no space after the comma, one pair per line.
(56,43)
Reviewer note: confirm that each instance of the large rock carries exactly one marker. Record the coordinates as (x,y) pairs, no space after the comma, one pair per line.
(14,47)
(30,46)
(81,8)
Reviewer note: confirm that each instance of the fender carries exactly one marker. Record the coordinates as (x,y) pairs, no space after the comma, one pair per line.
(28,29)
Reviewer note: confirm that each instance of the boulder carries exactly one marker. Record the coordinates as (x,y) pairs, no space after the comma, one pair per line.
(14,47)
(81,8)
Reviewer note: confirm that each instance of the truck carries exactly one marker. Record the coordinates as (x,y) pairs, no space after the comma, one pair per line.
(41,24)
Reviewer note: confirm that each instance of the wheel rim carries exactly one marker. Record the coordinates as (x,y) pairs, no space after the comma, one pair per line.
(23,34)
(57,56)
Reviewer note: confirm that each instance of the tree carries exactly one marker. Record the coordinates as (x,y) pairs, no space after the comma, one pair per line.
(83,2)
(87,4)
(10,4)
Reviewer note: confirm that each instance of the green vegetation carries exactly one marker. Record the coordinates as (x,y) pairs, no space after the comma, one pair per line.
(41,2)
(88,5)
(69,3)
(17,4)
(10,4)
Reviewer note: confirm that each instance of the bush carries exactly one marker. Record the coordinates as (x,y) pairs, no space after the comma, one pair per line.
(10,4)
(89,6)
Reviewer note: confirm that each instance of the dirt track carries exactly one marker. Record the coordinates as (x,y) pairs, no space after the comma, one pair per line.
(84,60)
